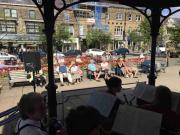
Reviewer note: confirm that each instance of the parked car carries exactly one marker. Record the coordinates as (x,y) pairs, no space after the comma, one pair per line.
(120,51)
(146,65)
(160,49)
(94,52)
(58,54)
(73,53)
(174,54)
(42,53)
(7,56)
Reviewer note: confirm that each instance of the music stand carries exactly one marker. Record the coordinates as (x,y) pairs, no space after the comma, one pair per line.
(31,68)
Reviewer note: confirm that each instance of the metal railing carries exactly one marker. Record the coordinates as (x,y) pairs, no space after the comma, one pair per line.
(11,115)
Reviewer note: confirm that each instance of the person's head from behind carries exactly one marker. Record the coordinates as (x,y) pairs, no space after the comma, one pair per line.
(114,85)
(78,56)
(92,61)
(61,64)
(163,97)
(84,120)
(104,60)
(32,106)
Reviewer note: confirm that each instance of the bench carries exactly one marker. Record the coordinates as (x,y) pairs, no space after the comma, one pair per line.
(111,72)
(56,75)
(57,78)
(17,76)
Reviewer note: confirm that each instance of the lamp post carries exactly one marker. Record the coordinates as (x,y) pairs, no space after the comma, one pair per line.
(155,25)
(46,8)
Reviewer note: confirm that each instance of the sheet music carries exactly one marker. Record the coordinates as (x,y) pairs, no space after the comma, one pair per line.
(103,102)
(134,121)
(144,91)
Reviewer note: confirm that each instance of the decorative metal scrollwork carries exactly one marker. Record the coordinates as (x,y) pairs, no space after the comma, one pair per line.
(170,13)
(39,6)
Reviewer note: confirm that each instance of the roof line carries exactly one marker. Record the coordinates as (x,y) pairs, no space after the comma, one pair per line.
(12,4)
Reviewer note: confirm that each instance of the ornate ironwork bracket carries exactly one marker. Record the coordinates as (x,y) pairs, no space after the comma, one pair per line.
(39,6)
(170,13)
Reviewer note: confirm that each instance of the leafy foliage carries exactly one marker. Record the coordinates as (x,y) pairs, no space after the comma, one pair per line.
(145,31)
(97,38)
(135,36)
(62,34)
(42,37)
(175,35)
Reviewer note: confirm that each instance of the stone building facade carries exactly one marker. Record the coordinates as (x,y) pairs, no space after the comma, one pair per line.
(121,22)
(20,23)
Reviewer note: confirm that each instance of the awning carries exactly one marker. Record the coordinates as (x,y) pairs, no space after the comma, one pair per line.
(19,37)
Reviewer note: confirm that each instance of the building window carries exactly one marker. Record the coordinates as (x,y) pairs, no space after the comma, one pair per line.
(130,29)
(71,30)
(138,18)
(119,16)
(81,30)
(33,27)
(107,16)
(118,30)
(32,14)
(13,13)
(7,12)
(130,17)
(7,26)
(10,13)
(66,17)
(39,1)
(84,13)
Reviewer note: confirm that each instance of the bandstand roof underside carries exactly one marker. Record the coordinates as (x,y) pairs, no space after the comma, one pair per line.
(132,3)
(147,3)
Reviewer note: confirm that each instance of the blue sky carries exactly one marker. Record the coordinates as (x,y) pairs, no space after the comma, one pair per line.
(177,15)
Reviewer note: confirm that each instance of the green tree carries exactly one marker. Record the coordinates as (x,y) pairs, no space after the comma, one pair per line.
(62,34)
(174,35)
(98,39)
(135,37)
(42,37)
(145,31)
